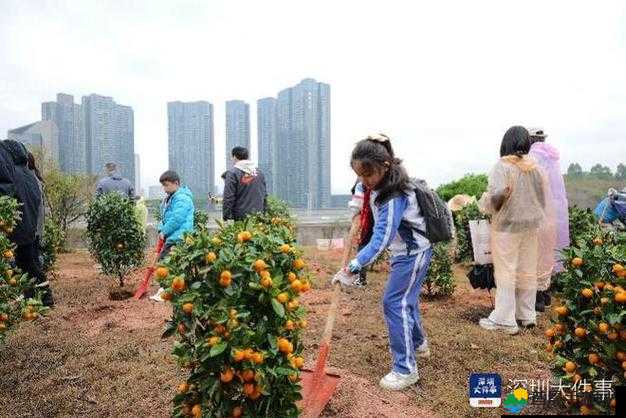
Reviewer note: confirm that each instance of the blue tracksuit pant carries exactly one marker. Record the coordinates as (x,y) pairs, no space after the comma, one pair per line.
(401,307)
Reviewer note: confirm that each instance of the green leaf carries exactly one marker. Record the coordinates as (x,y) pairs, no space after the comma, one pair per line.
(283,371)
(218,349)
(196,285)
(278,308)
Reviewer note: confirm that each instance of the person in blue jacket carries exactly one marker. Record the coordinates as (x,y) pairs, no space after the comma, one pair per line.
(400,227)
(176,211)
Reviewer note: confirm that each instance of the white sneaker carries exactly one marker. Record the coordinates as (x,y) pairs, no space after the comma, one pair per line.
(488,324)
(157,296)
(423,351)
(398,381)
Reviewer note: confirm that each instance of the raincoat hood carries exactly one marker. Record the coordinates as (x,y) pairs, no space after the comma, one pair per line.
(545,150)
(17,150)
(247,167)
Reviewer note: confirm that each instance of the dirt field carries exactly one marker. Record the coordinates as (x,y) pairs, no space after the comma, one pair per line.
(96,357)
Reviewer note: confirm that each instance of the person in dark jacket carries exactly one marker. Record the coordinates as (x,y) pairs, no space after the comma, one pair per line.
(19,182)
(114,182)
(244,188)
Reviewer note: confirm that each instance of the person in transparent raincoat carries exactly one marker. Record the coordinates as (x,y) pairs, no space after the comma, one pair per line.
(522,230)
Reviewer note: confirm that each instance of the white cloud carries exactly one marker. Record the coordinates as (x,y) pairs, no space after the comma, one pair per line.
(444,79)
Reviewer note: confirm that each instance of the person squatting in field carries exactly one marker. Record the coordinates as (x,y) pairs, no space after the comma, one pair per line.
(523,233)
(177,211)
(400,227)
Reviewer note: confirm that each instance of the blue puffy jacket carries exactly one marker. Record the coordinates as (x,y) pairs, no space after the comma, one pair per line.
(177,215)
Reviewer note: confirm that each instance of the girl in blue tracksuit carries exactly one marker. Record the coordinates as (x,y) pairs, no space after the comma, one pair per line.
(398,226)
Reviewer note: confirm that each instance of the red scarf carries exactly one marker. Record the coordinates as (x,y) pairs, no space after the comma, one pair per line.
(366,216)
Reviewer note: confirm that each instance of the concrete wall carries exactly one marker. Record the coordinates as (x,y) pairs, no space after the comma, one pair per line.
(307,233)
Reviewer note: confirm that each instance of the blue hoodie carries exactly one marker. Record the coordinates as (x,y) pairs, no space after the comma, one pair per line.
(177,215)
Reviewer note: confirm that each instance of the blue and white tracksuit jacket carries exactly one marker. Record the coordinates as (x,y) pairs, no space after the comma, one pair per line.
(396,225)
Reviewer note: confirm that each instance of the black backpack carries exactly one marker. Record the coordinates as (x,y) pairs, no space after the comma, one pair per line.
(439,223)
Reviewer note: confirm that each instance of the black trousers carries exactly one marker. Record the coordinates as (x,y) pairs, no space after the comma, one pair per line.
(28,261)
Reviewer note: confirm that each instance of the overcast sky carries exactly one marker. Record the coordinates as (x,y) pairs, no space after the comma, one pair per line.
(444,79)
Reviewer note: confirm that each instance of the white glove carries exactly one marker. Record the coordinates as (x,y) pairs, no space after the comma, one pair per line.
(345,278)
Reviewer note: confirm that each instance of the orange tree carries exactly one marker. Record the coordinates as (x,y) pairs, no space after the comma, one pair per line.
(588,336)
(13,307)
(238,320)
(115,238)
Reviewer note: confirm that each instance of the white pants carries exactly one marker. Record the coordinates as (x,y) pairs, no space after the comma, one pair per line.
(512,304)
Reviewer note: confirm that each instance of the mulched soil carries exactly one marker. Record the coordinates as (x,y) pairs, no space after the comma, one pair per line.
(96,357)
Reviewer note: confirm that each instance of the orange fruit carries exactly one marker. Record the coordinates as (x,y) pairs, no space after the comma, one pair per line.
(296,285)
(196,411)
(282,298)
(599,285)
(3,327)
(248,353)
(617,268)
(291,276)
(8,254)
(259,265)
(255,395)
(162,272)
(559,328)
(244,236)
(226,275)
(293,378)
(299,264)
(188,308)
(289,325)
(620,297)
(166,296)
(580,332)
(265,273)
(182,388)
(266,282)
(550,333)
(608,287)
(211,257)
(293,305)
(306,286)
(561,310)
(226,376)
(237,412)
(232,324)
(570,366)
(612,336)
(598,241)
(303,323)
(298,362)
(620,355)
(285,346)
(12,281)
(225,278)
(213,341)
(587,293)
(232,314)
(257,358)
(285,248)
(248,375)
(239,356)
(594,358)
(597,311)
(248,389)
(178,284)
(603,327)
(577,262)
(622,274)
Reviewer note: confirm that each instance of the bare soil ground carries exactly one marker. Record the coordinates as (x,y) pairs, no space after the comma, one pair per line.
(101,358)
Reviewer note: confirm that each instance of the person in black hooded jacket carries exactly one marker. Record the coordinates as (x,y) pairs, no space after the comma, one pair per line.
(19,182)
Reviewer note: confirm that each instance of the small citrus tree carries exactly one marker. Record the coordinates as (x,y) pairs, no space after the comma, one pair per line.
(13,307)
(238,320)
(588,337)
(464,248)
(200,220)
(440,280)
(51,244)
(116,240)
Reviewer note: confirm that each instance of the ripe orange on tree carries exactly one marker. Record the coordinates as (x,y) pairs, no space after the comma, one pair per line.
(587,293)
(299,264)
(291,277)
(266,282)
(178,284)
(561,310)
(162,272)
(580,332)
(620,297)
(257,358)
(227,375)
(577,262)
(244,236)
(259,265)
(213,341)
(617,268)
(196,411)
(285,248)
(570,367)
(225,278)
(603,327)
(210,257)
(182,388)
(248,375)
(282,297)
(594,358)
(188,308)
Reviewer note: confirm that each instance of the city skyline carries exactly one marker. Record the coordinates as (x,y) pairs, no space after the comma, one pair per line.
(191,145)
(237,128)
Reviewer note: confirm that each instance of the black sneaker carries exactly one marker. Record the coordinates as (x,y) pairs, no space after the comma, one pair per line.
(539,303)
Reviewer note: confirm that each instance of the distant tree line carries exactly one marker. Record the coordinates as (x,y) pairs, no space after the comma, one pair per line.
(598,171)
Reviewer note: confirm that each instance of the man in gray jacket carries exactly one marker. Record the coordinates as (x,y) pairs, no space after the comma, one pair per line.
(244,188)
(114,182)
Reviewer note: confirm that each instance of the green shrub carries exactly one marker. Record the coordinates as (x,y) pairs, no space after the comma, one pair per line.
(470,184)
(115,238)
(440,279)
